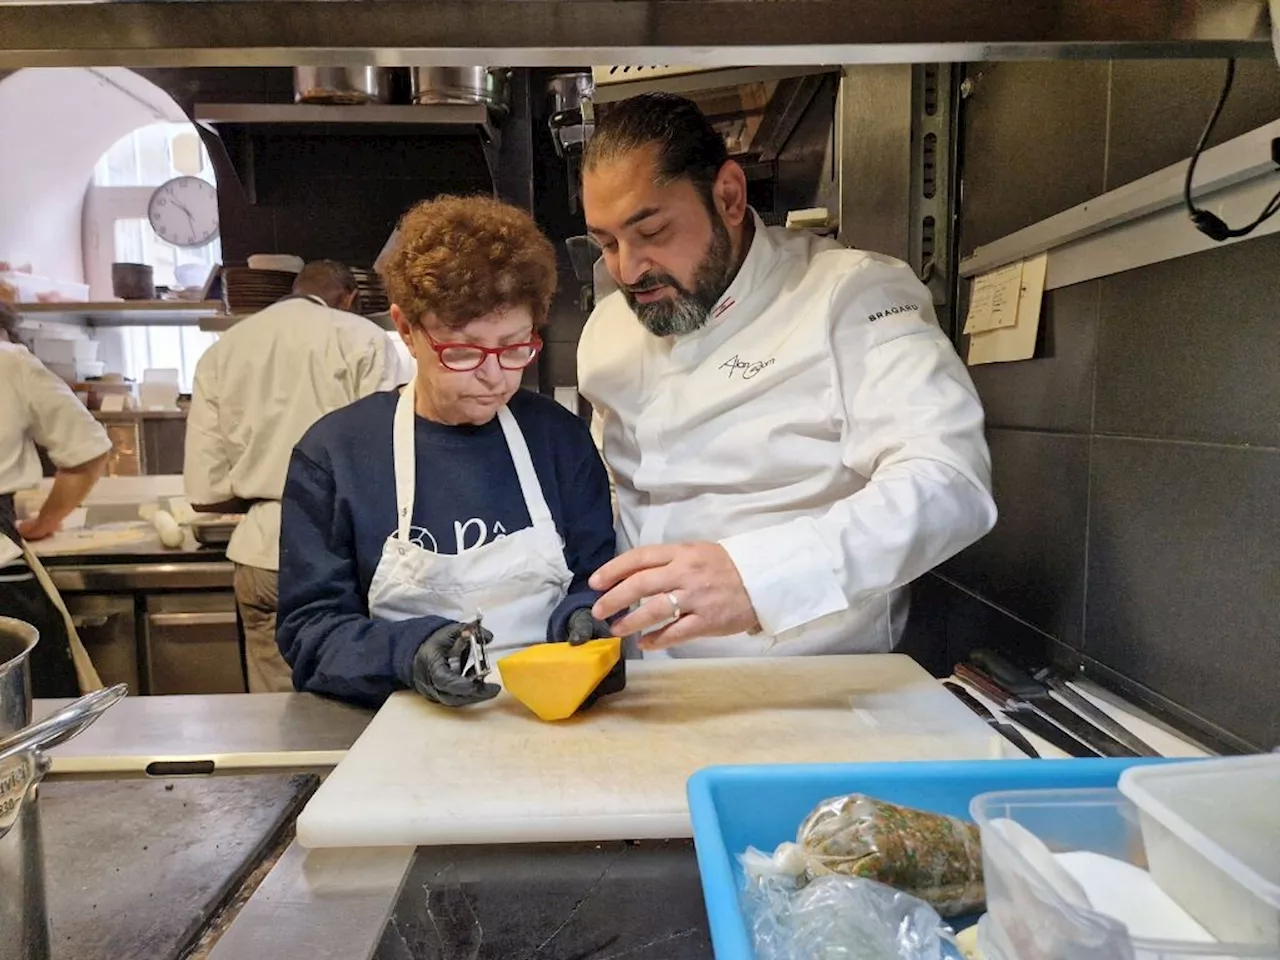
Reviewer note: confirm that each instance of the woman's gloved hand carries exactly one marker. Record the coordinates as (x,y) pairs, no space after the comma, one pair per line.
(583,627)
(437,669)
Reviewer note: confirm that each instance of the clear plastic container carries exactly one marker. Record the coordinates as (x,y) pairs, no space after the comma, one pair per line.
(1027,919)
(31,288)
(1212,835)
(65,350)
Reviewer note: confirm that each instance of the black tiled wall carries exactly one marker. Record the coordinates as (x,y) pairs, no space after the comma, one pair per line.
(1137,457)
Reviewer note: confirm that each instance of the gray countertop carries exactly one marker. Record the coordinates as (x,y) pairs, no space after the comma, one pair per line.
(128,416)
(137,869)
(149,549)
(225,733)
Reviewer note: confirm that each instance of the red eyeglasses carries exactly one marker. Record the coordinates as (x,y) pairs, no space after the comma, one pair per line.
(461,357)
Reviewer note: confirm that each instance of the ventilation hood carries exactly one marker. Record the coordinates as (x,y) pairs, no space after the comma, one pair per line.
(707,33)
(754,108)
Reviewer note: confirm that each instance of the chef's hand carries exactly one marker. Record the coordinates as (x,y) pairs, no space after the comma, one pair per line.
(700,576)
(437,669)
(583,627)
(37,529)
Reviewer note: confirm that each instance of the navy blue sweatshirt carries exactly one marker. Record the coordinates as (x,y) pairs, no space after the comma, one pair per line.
(339,507)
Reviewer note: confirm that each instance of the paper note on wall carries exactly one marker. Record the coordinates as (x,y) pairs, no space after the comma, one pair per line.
(994,303)
(1018,342)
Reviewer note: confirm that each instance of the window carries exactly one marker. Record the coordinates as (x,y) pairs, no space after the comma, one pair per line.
(116,229)
(178,348)
(116,222)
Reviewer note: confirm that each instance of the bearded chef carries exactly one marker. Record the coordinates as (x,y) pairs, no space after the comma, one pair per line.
(792,438)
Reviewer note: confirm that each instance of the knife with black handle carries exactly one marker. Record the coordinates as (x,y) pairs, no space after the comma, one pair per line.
(1006,730)
(1022,686)
(1022,712)
(1094,714)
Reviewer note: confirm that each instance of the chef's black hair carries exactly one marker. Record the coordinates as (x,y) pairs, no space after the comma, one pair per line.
(327,279)
(688,145)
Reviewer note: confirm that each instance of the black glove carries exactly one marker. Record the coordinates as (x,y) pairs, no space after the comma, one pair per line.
(437,669)
(583,627)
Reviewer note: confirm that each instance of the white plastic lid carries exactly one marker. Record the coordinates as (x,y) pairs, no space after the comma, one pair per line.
(1226,810)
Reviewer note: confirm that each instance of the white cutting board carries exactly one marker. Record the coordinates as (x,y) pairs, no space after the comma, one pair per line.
(421,774)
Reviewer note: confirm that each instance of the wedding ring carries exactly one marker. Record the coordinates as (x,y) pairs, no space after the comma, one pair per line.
(676,613)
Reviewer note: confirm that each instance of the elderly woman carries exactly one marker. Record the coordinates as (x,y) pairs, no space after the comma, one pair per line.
(406,515)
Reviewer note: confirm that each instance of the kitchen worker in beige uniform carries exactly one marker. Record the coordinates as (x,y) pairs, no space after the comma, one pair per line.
(792,438)
(256,392)
(37,407)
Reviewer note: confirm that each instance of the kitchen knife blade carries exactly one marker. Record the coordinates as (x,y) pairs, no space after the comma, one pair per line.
(1023,687)
(1025,714)
(1006,730)
(1049,731)
(1091,712)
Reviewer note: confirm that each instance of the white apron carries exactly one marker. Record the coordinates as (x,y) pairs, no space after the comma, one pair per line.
(516,581)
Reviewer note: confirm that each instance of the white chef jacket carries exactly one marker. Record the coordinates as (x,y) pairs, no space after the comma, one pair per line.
(257,391)
(820,427)
(37,406)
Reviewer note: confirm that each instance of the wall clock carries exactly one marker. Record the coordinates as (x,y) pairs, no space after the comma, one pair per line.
(184,211)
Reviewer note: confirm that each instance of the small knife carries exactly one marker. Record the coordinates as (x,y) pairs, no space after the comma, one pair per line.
(1021,686)
(1006,730)
(1100,718)
(1023,713)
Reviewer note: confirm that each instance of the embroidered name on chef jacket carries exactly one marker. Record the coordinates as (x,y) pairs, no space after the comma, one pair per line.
(893,310)
(745,369)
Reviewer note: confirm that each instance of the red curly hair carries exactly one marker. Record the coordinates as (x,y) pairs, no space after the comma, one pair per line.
(459,258)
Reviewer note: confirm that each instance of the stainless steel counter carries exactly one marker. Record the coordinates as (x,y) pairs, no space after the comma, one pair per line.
(165,736)
(318,904)
(161,620)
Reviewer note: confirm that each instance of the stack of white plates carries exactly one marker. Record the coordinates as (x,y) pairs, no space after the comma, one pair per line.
(284,262)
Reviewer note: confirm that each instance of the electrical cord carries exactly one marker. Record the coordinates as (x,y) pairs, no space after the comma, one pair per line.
(1211,225)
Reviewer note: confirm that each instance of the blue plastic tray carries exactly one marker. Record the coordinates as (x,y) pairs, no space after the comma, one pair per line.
(761,806)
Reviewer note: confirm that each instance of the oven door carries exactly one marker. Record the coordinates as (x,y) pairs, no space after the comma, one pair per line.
(193,643)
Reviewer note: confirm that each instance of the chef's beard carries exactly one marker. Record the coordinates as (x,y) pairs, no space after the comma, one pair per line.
(688,310)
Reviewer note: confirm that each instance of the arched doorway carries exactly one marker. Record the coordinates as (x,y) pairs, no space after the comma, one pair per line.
(82,153)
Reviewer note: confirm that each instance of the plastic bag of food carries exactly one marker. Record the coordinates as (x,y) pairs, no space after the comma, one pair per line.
(930,856)
(842,918)
(933,857)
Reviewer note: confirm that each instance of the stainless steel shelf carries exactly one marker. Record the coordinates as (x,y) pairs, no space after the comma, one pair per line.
(444,114)
(619,82)
(726,33)
(124,313)
(222,322)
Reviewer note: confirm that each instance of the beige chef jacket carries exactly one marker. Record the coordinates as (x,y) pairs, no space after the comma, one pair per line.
(257,391)
(820,427)
(37,406)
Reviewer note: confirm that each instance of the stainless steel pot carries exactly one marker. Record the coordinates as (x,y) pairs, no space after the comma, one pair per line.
(24,921)
(349,85)
(568,90)
(488,85)
(24,924)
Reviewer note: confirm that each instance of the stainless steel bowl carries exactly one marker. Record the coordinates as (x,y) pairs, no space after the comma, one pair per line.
(349,85)
(488,85)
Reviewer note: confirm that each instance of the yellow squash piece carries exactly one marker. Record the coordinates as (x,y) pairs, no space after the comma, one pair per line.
(552,679)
